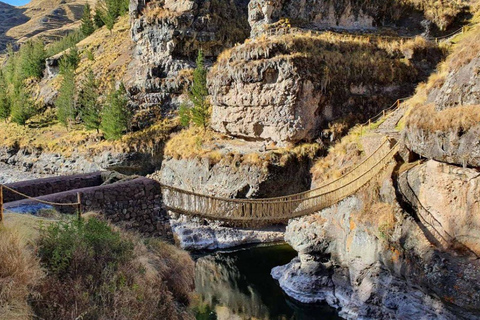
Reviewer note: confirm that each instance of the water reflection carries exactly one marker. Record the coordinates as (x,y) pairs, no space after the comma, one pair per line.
(238,285)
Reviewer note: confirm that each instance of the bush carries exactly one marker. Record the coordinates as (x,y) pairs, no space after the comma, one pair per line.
(97,272)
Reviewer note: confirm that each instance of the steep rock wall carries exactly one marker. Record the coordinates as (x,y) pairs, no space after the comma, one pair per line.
(374,261)
(168,35)
(287,88)
(235,180)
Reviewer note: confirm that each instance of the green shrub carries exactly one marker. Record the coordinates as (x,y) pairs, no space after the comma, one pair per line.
(96,272)
(76,247)
(90,108)
(87,26)
(65,103)
(199,113)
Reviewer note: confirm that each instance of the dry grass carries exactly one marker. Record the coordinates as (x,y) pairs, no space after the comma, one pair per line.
(194,143)
(459,119)
(112,51)
(442,12)
(341,156)
(57,139)
(154,13)
(20,272)
(109,274)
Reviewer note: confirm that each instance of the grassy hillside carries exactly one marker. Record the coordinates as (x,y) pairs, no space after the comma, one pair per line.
(48,19)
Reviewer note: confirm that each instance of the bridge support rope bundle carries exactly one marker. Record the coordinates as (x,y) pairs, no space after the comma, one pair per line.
(281,208)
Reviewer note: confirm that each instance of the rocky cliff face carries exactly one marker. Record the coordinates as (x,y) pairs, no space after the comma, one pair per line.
(232,179)
(445,199)
(168,35)
(374,261)
(406,16)
(287,88)
(447,127)
(344,14)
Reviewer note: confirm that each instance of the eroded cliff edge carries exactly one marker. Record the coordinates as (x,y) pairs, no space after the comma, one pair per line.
(405,246)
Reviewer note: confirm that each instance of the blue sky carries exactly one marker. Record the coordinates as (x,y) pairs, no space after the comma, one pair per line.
(16,2)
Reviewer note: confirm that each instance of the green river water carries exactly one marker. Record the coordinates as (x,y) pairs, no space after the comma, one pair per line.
(237,285)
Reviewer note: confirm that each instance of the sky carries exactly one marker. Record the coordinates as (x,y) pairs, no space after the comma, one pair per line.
(16,2)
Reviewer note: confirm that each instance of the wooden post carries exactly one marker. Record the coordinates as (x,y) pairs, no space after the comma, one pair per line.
(398,103)
(1,204)
(79,205)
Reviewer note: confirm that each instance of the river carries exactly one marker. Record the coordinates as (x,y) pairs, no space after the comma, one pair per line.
(237,285)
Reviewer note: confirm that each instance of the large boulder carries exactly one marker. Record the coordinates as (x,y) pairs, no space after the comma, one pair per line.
(287,88)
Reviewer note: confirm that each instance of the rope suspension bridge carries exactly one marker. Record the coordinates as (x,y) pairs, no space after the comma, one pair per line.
(268,210)
(281,208)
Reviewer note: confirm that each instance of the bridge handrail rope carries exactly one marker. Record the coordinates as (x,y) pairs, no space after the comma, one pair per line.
(327,183)
(279,30)
(288,198)
(203,205)
(77,204)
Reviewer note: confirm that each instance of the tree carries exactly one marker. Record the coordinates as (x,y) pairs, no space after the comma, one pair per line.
(87,26)
(65,102)
(31,60)
(70,60)
(22,106)
(199,113)
(98,17)
(115,115)
(90,108)
(5,108)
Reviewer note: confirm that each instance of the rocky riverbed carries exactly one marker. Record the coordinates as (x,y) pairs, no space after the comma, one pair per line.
(9,174)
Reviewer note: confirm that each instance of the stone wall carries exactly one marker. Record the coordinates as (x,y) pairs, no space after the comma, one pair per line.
(135,204)
(38,187)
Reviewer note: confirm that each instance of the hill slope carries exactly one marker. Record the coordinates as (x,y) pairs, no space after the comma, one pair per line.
(48,19)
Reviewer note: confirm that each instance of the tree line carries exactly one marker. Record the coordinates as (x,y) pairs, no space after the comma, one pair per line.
(72,106)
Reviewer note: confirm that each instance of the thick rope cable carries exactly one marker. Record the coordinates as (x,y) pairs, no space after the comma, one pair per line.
(38,200)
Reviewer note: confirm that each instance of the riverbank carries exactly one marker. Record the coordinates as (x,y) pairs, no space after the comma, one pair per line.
(10,174)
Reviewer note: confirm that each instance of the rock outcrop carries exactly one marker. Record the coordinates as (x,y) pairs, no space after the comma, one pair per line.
(409,16)
(42,162)
(460,88)
(168,35)
(232,179)
(374,261)
(287,88)
(196,234)
(446,127)
(446,200)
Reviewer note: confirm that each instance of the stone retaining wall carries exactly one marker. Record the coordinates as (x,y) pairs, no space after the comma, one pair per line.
(135,204)
(46,186)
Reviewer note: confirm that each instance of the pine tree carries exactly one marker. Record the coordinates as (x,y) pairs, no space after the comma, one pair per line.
(115,115)
(98,17)
(22,106)
(31,60)
(5,107)
(70,60)
(198,94)
(90,108)
(87,26)
(65,102)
